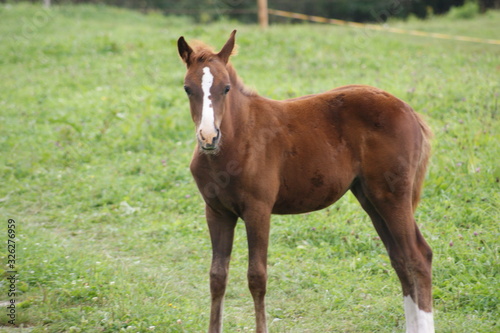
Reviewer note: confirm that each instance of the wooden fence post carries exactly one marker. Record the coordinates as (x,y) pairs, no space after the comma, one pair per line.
(263,15)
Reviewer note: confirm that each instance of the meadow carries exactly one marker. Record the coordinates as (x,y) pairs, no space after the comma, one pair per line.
(95,143)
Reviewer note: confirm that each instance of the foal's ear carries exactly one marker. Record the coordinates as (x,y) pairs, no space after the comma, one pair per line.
(185,50)
(227,49)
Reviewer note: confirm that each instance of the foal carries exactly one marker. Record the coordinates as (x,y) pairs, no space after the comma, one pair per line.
(256,157)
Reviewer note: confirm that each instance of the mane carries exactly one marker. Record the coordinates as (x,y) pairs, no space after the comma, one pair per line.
(205,53)
(239,82)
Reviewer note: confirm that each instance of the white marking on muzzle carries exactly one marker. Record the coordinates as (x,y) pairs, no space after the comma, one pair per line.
(417,321)
(206,130)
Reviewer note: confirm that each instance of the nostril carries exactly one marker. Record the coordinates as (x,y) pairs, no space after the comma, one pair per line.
(210,138)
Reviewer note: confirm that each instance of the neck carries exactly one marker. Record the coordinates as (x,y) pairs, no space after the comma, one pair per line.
(237,108)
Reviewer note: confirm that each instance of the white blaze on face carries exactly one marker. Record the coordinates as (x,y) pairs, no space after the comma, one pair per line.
(417,321)
(206,129)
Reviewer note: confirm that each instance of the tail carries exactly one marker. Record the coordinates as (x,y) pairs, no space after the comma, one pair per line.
(425,153)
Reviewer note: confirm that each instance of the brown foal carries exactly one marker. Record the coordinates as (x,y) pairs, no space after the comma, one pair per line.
(256,157)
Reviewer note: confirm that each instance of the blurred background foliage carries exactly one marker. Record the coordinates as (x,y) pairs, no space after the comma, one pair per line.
(204,11)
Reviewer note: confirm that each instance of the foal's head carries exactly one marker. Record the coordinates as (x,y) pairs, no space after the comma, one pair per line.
(207,84)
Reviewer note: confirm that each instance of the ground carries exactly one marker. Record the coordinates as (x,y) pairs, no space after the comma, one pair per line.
(109,228)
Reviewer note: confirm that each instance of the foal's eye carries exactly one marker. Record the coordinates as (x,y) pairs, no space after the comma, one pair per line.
(226,89)
(187,90)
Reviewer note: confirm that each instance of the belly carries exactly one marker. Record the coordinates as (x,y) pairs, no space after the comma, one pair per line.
(317,170)
(310,191)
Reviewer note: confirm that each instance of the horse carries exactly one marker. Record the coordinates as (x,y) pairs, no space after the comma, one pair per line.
(255,157)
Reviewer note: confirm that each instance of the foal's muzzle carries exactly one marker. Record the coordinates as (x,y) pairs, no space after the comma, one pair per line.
(209,142)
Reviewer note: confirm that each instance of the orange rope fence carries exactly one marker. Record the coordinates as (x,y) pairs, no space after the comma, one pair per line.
(320,19)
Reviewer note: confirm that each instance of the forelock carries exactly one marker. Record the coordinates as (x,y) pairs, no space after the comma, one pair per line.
(202,52)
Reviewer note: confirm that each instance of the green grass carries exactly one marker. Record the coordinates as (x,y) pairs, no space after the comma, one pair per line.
(96,140)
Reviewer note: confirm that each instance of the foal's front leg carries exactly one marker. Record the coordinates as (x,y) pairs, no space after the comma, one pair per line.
(221,226)
(257,225)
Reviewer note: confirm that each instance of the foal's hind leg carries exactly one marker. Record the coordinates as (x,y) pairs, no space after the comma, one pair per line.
(410,255)
(221,227)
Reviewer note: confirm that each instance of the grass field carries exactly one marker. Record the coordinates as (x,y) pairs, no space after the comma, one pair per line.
(95,144)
